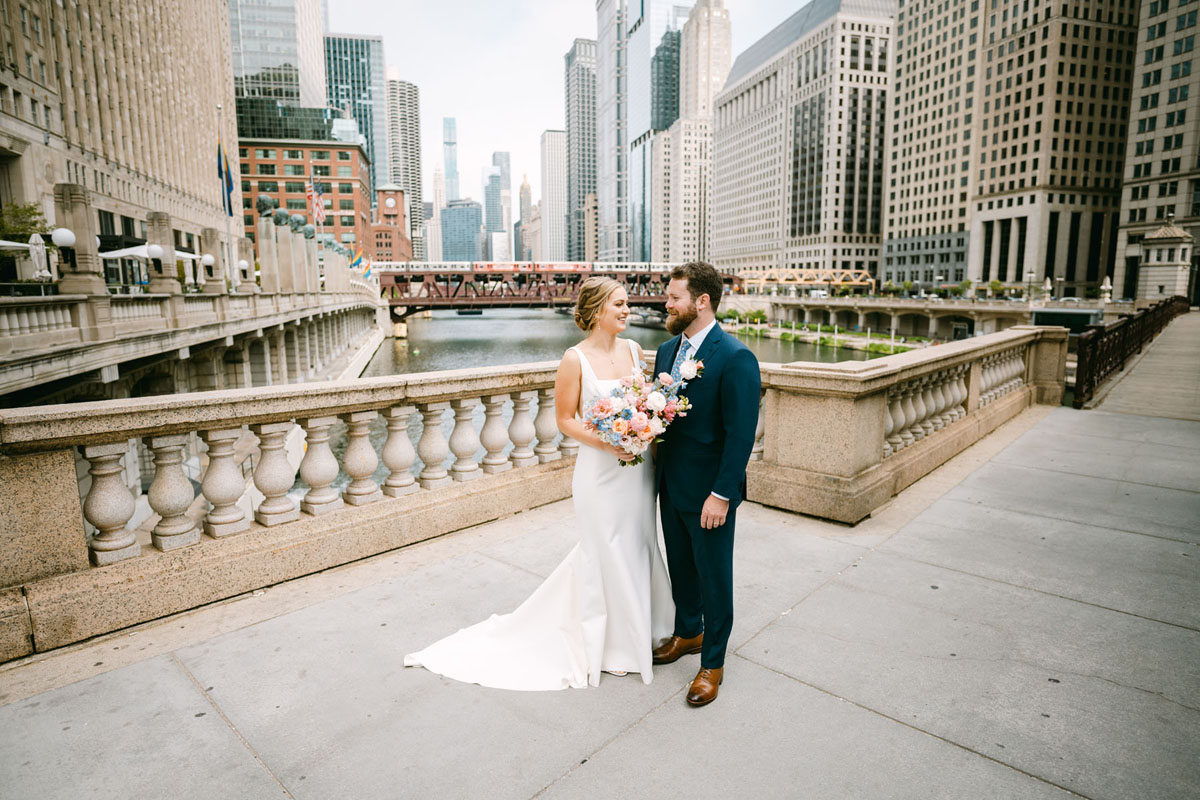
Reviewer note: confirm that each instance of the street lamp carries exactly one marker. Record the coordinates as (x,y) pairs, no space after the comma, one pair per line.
(938,279)
(155,252)
(64,240)
(206,261)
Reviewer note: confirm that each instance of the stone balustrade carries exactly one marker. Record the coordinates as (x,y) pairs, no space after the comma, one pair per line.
(833,440)
(839,439)
(35,322)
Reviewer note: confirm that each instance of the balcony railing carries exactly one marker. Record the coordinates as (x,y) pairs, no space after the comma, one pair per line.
(1104,349)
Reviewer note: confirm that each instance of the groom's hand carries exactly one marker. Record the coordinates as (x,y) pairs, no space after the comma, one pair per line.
(712,515)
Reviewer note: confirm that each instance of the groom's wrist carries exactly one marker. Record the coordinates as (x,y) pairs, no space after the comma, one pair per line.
(719,497)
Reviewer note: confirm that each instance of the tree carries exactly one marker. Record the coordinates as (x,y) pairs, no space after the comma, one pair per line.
(890,288)
(908,285)
(995,287)
(19,221)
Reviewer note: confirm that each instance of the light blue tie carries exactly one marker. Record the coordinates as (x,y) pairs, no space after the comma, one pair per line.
(680,358)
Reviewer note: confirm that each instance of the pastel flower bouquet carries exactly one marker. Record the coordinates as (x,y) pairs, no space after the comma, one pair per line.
(633,415)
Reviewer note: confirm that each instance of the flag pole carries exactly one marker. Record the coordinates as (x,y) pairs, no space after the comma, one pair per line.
(231,273)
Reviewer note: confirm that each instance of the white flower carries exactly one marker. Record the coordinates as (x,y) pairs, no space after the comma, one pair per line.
(657,426)
(656,401)
(687,370)
(618,404)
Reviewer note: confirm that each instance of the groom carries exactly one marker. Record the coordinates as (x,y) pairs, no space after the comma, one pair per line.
(701,471)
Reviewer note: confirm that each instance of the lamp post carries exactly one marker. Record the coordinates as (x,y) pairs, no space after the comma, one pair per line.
(64,240)
(938,279)
(206,262)
(155,252)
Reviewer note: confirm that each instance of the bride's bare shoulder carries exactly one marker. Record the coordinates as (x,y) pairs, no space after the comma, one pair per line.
(570,358)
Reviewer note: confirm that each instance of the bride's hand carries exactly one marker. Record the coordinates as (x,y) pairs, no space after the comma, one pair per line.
(621,454)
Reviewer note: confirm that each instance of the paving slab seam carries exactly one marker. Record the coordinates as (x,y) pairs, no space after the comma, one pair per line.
(910,726)
(502,562)
(1016,465)
(1024,588)
(229,723)
(1028,513)
(611,739)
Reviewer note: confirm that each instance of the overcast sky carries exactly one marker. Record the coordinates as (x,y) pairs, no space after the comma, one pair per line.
(497,67)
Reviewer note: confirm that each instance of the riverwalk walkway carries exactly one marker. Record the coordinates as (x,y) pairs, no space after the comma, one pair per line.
(1024,622)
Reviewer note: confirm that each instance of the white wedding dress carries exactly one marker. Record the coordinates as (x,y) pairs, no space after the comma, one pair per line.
(602,609)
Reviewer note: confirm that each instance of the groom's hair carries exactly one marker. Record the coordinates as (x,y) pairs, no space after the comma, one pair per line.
(702,278)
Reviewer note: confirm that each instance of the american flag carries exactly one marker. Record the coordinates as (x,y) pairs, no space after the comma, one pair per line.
(316,203)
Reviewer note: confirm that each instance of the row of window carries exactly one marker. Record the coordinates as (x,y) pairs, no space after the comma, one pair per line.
(316,155)
(300,170)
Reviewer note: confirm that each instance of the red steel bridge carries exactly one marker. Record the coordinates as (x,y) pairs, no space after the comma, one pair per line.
(412,287)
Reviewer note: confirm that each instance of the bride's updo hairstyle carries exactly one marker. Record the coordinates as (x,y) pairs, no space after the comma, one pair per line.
(593,295)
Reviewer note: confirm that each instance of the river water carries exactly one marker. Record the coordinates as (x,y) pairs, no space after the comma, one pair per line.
(511,336)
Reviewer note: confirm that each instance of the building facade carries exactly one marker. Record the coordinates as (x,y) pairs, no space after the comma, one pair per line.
(612,156)
(502,160)
(404,153)
(81,105)
(798,142)
(462,231)
(1162,170)
(356,86)
(390,240)
(280,168)
(581,139)
(554,196)
(450,156)
(278,50)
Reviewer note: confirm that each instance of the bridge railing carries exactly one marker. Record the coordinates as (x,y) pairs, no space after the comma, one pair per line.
(426,454)
(1104,349)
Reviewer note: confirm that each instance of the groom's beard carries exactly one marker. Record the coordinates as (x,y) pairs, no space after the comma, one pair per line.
(678,322)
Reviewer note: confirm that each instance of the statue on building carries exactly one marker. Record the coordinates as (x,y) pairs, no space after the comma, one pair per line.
(265,204)
(281,217)
(296,222)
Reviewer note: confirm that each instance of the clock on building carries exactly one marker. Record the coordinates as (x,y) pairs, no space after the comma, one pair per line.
(390,202)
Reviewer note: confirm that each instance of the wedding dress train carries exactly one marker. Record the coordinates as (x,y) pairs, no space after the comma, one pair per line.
(602,609)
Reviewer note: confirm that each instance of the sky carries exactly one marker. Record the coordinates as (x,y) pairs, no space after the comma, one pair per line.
(497,67)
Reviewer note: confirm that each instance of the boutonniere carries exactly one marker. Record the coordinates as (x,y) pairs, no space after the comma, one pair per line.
(691,369)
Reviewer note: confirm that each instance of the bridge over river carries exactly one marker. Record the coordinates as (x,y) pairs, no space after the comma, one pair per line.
(1015,613)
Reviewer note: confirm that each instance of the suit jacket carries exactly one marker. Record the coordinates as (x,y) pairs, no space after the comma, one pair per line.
(707,451)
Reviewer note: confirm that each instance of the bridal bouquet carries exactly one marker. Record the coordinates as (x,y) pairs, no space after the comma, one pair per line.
(635,414)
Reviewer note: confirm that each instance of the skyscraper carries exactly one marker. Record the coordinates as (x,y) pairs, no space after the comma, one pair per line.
(404,151)
(433,224)
(502,161)
(521,249)
(554,195)
(462,231)
(798,141)
(355,83)
(493,211)
(278,50)
(450,156)
(1162,176)
(652,26)
(681,215)
(581,139)
(612,224)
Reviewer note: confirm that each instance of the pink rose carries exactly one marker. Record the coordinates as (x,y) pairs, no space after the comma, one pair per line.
(665,379)
(638,422)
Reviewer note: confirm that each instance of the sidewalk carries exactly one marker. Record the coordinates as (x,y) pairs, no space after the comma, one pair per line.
(1022,623)
(1166,380)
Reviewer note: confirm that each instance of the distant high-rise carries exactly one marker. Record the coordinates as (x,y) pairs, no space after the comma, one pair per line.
(355,84)
(798,142)
(278,50)
(612,156)
(503,162)
(581,139)
(652,27)
(404,151)
(521,250)
(554,195)
(681,217)
(462,231)
(450,156)
(493,211)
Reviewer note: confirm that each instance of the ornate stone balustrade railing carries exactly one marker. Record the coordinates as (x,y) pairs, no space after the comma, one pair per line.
(31,322)
(840,439)
(834,440)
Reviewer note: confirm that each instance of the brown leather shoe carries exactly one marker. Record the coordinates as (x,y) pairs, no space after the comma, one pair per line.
(676,648)
(704,688)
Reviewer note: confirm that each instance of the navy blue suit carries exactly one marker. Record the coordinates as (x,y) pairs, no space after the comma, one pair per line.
(703,453)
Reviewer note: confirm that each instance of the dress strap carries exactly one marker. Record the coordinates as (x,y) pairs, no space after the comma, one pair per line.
(587,367)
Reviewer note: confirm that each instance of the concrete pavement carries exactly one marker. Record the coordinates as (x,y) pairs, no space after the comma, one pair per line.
(1022,623)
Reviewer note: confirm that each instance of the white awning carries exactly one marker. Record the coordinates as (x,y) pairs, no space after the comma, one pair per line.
(12,245)
(140,252)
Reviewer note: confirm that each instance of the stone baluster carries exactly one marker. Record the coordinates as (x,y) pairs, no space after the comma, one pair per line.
(360,460)
(432,446)
(896,417)
(109,505)
(959,388)
(464,440)
(568,446)
(171,494)
(223,484)
(937,381)
(521,430)
(398,453)
(947,389)
(918,403)
(546,427)
(273,475)
(929,402)
(888,427)
(988,381)
(494,437)
(319,467)
(910,414)
(760,430)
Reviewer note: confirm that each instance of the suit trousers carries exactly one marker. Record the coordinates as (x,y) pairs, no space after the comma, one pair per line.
(701,565)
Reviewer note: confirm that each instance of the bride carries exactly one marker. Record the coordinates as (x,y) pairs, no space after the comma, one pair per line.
(608,603)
